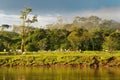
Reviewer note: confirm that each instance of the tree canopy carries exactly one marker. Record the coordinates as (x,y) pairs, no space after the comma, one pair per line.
(84,33)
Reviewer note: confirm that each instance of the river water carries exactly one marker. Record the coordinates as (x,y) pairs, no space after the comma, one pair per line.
(59,74)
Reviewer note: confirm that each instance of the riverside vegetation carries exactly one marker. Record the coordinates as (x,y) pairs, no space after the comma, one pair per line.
(93,59)
(83,34)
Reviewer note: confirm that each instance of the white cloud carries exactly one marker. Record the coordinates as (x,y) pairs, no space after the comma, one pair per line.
(15,20)
(44,20)
(105,13)
(9,19)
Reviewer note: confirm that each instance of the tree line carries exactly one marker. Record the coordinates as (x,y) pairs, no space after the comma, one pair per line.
(84,33)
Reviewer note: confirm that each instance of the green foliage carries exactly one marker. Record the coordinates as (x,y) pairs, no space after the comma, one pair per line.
(42,44)
(9,40)
(84,33)
(31,47)
(2,47)
(25,23)
(3,53)
(87,58)
(97,40)
(112,42)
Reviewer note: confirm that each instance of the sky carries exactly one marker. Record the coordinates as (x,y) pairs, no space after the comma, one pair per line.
(49,10)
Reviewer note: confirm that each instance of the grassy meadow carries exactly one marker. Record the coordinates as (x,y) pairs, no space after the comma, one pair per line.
(56,58)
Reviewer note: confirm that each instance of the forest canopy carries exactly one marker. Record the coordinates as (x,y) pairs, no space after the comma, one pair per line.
(84,33)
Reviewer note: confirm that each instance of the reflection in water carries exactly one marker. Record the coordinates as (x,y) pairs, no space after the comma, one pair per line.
(59,74)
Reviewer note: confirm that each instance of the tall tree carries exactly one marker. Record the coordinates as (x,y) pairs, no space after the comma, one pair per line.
(26,23)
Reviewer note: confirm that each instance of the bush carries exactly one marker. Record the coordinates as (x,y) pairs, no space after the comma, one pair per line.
(3,53)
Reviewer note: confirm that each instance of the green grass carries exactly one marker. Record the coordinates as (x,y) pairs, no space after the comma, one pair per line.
(87,58)
(3,53)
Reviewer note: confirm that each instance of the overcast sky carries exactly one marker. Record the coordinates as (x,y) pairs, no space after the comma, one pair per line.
(49,10)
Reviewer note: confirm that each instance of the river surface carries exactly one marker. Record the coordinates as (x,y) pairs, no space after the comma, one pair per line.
(59,74)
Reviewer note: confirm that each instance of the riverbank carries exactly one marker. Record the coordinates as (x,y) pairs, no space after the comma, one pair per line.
(53,59)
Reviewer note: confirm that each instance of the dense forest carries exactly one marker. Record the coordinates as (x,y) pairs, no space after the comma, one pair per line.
(84,33)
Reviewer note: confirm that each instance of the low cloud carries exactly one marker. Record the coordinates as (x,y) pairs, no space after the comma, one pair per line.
(9,19)
(105,13)
(15,20)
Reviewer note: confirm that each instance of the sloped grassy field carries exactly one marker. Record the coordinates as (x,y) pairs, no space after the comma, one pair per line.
(55,58)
